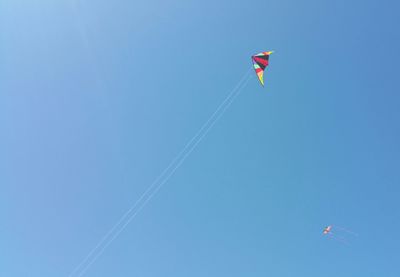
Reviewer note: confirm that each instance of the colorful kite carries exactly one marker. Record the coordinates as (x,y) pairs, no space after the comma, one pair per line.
(260,62)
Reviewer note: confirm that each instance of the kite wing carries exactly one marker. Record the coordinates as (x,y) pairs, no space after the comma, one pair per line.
(260,62)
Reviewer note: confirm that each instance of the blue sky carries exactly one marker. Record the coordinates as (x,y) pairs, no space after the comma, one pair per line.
(97,97)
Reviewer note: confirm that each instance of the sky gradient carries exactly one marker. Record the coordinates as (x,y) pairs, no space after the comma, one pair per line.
(97,98)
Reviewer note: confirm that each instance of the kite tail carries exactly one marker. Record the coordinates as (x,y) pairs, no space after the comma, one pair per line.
(346,230)
(338,238)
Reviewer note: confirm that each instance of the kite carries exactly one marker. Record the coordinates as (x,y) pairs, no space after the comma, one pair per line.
(260,62)
(340,233)
(327,230)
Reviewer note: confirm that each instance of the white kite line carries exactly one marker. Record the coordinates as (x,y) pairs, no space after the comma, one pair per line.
(152,190)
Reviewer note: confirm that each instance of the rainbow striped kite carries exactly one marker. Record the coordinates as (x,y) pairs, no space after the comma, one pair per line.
(260,62)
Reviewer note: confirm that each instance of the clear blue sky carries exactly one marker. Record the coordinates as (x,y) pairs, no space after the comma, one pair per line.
(97,97)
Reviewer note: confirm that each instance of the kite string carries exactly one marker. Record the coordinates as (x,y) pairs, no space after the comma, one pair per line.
(210,123)
(155,191)
(158,187)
